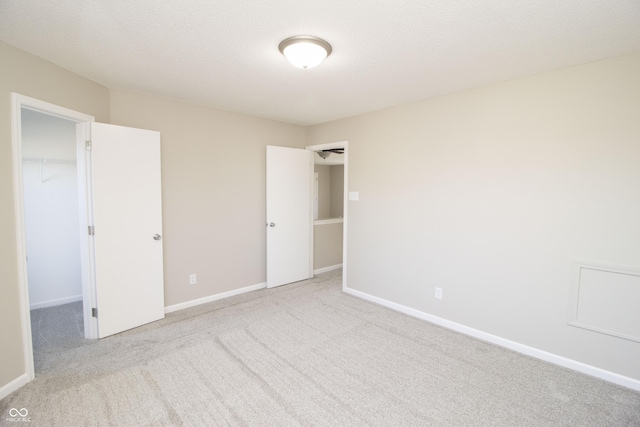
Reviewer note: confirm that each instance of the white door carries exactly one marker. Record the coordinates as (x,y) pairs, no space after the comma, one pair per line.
(127,216)
(289,213)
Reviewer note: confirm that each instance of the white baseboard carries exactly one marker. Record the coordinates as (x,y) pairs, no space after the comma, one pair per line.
(195,302)
(9,388)
(503,342)
(54,302)
(325,269)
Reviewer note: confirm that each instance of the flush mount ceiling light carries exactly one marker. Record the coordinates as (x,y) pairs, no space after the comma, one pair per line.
(305,51)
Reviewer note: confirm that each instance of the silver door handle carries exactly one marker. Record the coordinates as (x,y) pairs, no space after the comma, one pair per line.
(272,224)
(157,237)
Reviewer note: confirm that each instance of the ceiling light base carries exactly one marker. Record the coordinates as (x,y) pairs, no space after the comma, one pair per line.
(305,51)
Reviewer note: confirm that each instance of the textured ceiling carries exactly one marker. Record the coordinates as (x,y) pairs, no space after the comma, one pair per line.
(224,53)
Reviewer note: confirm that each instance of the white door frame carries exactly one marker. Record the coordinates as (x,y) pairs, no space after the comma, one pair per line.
(17,103)
(345,202)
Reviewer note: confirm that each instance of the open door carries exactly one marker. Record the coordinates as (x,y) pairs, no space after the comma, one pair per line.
(289,215)
(125,199)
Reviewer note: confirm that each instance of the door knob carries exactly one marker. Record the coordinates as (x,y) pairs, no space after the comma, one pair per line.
(157,237)
(272,224)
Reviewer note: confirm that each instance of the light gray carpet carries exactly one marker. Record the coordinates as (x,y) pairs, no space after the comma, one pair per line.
(55,330)
(307,354)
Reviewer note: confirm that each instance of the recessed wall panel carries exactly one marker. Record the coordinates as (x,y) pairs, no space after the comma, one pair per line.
(606,299)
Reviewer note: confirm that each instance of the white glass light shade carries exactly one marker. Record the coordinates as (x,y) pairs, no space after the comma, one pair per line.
(305,51)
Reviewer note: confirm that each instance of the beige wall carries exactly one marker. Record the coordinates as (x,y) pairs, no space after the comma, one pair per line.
(324,190)
(337,191)
(327,238)
(330,191)
(28,75)
(213,178)
(327,245)
(491,193)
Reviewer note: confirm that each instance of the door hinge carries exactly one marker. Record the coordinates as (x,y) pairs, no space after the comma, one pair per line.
(92,230)
(87,145)
(94,312)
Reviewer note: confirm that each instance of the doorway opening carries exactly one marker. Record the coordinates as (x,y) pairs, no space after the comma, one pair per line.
(330,208)
(50,184)
(48,191)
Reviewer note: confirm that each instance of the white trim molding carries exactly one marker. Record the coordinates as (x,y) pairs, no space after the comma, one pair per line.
(54,302)
(503,342)
(211,298)
(12,386)
(325,269)
(328,221)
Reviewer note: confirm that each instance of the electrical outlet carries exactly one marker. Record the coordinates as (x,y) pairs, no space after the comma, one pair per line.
(192,279)
(438,293)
